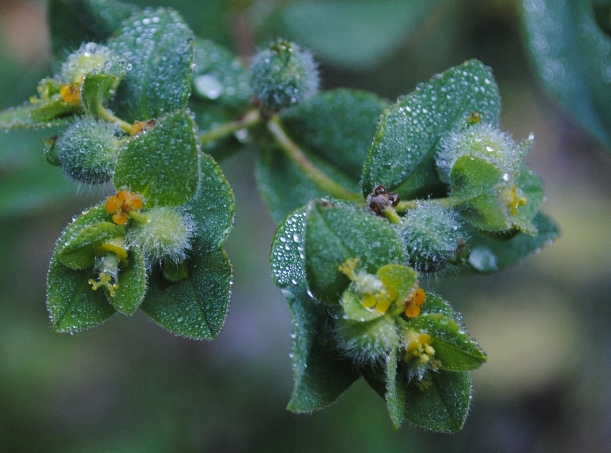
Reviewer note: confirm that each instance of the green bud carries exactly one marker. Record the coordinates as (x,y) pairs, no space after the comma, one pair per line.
(431,234)
(283,75)
(163,233)
(481,141)
(88,150)
(366,342)
(90,57)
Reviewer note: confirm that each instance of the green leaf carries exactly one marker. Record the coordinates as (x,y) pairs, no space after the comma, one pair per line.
(436,305)
(443,405)
(162,164)
(395,390)
(398,280)
(532,190)
(334,129)
(285,187)
(355,34)
(132,284)
(73,305)
(491,253)
(196,307)
(478,184)
(159,46)
(89,217)
(48,111)
(78,250)
(453,346)
(402,155)
(319,375)
(221,94)
(96,90)
(568,50)
(74,22)
(337,232)
(21,118)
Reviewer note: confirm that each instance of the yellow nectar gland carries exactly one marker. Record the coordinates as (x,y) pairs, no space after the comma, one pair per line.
(374,294)
(104,280)
(121,204)
(117,249)
(414,302)
(71,93)
(513,200)
(419,348)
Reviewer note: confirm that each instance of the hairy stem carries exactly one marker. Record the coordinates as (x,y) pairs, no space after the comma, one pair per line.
(248,120)
(111,118)
(296,154)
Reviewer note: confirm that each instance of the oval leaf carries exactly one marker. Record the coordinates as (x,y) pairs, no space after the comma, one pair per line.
(73,305)
(570,52)
(162,164)
(402,156)
(443,405)
(132,284)
(319,376)
(159,47)
(335,233)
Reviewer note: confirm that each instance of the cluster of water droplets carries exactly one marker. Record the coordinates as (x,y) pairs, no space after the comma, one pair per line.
(482,141)
(288,257)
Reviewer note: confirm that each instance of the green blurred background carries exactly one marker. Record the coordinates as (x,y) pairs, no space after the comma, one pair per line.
(129,386)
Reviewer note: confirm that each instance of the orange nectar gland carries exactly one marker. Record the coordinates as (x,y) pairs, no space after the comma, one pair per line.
(122,204)
(414,302)
(71,93)
(374,294)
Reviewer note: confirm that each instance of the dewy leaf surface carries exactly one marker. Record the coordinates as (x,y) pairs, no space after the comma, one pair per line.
(72,303)
(319,376)
(335,233)
(159,47)
(572,56)
(196,306)
(162,164)
(443,405)
(402,156)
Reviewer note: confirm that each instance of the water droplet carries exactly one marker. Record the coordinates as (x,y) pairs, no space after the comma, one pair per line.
(483,260)
(208,86)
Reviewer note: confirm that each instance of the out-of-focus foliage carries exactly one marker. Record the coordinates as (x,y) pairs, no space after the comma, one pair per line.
(570,47)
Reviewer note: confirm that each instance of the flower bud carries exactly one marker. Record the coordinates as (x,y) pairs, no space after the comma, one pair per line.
(164,233)
(482,141)
(366,342)
(283,75)
(88,150)
(431,234)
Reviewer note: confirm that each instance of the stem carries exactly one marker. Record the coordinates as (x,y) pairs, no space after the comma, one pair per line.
(111,118)
(391,215)
(294,152)
(248,120)
(405,206)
